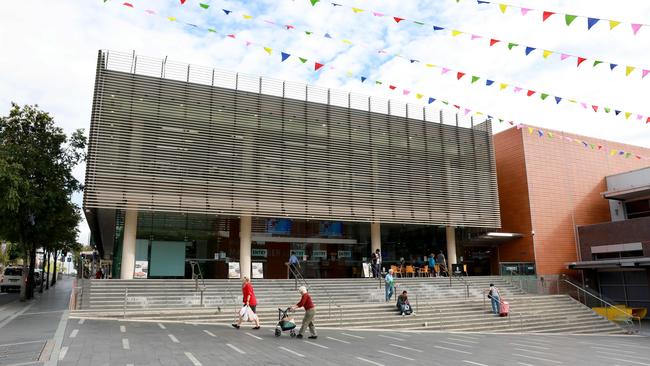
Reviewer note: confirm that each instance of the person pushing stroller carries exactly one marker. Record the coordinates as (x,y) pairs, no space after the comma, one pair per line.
(310,312)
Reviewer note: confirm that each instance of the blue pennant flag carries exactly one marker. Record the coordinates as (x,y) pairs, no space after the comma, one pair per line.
(612,66)
(436,28)
(327,35)
(489,82)
(529,50)
(363,78)
(414,61)
(617,112)
(227,11)
(591,22)
(540,132)
(284,56)
(335,4)
(480,2)
(431,100)
(557,100)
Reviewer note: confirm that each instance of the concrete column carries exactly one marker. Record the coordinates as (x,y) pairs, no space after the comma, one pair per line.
(128,245)
(375,236)
(245,246)
(451,246)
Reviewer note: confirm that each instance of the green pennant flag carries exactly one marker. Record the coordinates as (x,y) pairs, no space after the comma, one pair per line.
(303,60)
(511,45)
(212,30)
(500,120)
(607,109)
(418,23)
(592,146)
(544,96)
(313,2)
(475,79)
(378,82)
(569,19)
(308,33)
(597,62)
(627,155)
(445,103)
(204,6)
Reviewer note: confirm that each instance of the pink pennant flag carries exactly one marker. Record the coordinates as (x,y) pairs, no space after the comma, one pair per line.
(467,111)
(517,89)
(635,28)
(644,73)
(524,11)
(520,126)
(584,105)
(149,11)
(444,70)
(248,43)
(289,27)
(639,117)
(377,14)
(564,56)
(269,21)
(474,36)
(406,92)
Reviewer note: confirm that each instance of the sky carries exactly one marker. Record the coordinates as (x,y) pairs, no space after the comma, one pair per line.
(49,51)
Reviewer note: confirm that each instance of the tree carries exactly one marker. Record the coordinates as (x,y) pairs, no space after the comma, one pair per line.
(36,182)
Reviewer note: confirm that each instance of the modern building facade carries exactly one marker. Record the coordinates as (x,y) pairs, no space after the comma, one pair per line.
(615,255)
(238,172)
(550,188)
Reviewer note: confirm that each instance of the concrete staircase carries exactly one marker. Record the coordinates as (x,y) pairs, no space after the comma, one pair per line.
(349,303)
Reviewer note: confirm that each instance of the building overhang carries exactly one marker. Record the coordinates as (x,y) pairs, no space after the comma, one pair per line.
(628,194)
(494,238)
(611,263)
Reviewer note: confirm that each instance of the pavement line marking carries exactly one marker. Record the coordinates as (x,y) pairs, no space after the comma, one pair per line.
(193,359)
(389,337)
(64,350)
(622,360)
(529,345)
(290,351)
(19,343)
(58,339)
(122,329)
(525,364)
(629,345)
(467,336)
(81,321)
(352,335)
(174,339)
(74,333)
(338,340)
(125,343)
(452,349)
(209,333)
(9,319)
(531,351)
(129,364)
(461,340)
(536,358)
(316,344)
(408,348)
(254,336)
(235,348)
(628,356)
(456,344)
(475,363)
(370,362)
(162,326)
(394,355)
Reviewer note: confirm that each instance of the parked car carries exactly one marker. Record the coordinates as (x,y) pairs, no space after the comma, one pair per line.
(10,279)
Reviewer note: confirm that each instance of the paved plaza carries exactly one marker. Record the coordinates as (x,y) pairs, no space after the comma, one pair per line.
(40,333)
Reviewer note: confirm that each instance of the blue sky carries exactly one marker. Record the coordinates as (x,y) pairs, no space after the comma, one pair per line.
(50,49)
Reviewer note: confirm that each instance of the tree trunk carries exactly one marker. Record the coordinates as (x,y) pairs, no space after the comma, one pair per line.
(40,283)
(56,256)
(30,275)
(47,277)
(23,282)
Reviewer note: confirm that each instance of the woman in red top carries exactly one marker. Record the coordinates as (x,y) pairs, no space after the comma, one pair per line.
(250,300)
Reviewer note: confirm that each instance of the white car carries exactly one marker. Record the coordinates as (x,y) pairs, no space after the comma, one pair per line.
(10,279)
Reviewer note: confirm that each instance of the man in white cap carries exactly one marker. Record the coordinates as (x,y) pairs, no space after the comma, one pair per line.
(310,312)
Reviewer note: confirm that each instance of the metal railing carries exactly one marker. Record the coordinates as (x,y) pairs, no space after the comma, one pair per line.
(330,301)
(196,276)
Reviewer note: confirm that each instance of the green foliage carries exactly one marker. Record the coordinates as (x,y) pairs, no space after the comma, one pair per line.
(36,181)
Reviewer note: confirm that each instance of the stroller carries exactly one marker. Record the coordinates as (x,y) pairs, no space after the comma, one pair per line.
(285,322)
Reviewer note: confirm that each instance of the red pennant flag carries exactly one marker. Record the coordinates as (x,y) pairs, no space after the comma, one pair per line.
(457,106)
(317,66)
(530,92)
(392,87)
(546,15)
(595,107)
(398,19)
(459,75)
(493,42)
(128,4)
(231,35)
(580,60)
(647,120)
(183,2)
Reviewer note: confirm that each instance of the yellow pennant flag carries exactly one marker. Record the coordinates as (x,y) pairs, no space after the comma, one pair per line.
(530,130)
(454,32)
(419,96)
(503,86)
(547,53)
(503,8)
(429,65)
(268,50)
(349,74)
(627,115)
(171,19)
(479,113)
(613,24)
(629,69)
(357,10)
(612,153)
(573,101)
(346,41)
(248,17)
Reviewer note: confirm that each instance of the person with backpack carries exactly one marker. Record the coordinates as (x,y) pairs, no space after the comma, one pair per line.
(495,298)
(390,285)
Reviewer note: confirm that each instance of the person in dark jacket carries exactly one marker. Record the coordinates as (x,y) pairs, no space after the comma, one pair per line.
(403,304)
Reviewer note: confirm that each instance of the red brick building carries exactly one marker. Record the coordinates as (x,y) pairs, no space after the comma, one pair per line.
(549,183)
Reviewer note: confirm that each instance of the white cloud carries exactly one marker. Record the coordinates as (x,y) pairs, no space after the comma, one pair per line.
(50,48)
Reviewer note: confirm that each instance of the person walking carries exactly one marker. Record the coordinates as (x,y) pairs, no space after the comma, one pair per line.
(310,313)
(250,300)
(432,265)
(390,285)
(294,265)
(442,263)
(495,298)
(376,263)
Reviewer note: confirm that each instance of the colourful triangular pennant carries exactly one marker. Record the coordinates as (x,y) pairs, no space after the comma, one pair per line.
(569,18)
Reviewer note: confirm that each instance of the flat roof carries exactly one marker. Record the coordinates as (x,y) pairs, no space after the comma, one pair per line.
(627,194)
(611,263)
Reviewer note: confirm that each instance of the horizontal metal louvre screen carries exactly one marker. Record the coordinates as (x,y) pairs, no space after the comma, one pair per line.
(229,144)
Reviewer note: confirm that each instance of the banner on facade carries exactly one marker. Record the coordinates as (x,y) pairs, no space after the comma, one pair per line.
(258,270)
(233,270)
(141,269)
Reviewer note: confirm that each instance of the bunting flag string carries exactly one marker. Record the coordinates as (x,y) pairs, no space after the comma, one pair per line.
(568,18)
(459,74)
(315,66)
(546,54)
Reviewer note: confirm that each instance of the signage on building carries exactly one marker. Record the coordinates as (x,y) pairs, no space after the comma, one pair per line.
(298,252)
(257,269)
(259,252)
(141,269)
(345,254)
(233,270)
(319,254)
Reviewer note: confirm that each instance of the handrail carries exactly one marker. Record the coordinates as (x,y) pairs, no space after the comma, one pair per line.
(299,277)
